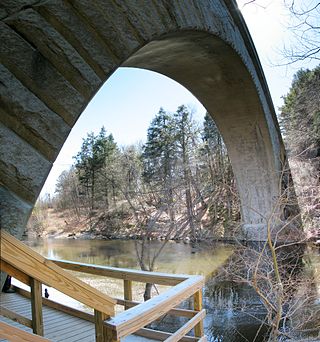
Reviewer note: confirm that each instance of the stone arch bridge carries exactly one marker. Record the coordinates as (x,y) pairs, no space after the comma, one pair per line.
(56,54)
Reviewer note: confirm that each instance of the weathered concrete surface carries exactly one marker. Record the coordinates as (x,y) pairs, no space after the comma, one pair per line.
(56,54)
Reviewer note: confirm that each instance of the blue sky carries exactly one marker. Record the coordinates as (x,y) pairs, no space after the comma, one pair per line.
(128,101)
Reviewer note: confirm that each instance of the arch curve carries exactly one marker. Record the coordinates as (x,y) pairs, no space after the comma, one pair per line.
(56,55)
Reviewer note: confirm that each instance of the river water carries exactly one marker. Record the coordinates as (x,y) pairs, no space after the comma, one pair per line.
(226,319)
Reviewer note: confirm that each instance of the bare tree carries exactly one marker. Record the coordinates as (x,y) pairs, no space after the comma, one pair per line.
(305,28)
(304,25)
(276,271)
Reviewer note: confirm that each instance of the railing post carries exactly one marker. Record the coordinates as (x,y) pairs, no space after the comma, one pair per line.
(101,330)
(197,305)
(110,337)
(103,334)
(36,306)
(127,291)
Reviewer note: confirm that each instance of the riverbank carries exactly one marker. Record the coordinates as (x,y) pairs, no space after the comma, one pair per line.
(64,224)
(87,235)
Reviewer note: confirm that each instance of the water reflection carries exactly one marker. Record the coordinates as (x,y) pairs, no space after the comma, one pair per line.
(234,311)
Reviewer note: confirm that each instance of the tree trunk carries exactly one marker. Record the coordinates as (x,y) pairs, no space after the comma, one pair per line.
(147,292)
(92,191)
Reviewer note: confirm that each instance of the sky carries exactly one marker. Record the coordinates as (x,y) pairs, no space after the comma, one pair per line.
(130,98)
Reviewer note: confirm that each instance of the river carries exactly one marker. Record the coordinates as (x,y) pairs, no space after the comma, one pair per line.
(226,319)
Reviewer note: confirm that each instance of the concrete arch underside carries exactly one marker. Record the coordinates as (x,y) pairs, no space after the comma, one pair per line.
(56,54)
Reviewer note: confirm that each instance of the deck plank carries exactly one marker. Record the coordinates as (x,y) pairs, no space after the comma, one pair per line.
(64,330)
(59,321)
(79,335)
(58,326)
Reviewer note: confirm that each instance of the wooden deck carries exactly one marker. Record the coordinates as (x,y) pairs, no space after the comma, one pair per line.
(58,326)
(58,322)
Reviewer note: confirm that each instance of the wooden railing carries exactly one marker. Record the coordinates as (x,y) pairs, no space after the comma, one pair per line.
(139,315)
(11,333)
(109,327)
(31,268)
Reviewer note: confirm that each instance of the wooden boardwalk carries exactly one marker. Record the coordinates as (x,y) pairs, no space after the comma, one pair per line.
(58,326)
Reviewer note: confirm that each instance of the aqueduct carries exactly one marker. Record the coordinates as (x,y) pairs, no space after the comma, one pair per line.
(56,54)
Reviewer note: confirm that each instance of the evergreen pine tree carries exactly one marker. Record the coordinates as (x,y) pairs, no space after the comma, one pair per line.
(159,159)
(91,159)
(300,114)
